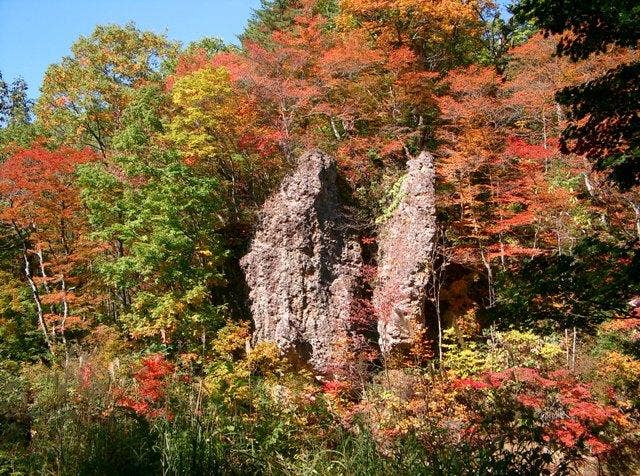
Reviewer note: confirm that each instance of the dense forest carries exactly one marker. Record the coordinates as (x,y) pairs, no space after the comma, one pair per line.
(143,189)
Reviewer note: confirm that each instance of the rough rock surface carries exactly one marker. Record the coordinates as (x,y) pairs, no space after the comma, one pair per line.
(405,247)
(302,268)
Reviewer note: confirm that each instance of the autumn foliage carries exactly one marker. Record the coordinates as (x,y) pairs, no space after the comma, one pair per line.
(130,189)
(148,398)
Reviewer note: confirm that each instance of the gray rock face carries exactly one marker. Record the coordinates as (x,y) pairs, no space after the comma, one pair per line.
(303,268)
(405,246)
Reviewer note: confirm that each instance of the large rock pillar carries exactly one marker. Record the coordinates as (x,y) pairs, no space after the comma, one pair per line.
(303,267)
(406,243)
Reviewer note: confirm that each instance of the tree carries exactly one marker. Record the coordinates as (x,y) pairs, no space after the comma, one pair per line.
(16,128)
(443,34)
(587,27)
(41,206)
(604,112)
(496,151)
(160,218)
(500,35)
(327,82)
(532,79)
(500,142)
(216,124)
(419,41)
(281,76)
(203,123)
(15,106)
(272,15)
(84,96)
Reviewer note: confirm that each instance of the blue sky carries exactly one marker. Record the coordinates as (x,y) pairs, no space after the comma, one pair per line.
(36,33)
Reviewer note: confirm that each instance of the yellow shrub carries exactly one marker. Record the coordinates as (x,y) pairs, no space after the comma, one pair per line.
(620,369)
(265,359)
(231,340)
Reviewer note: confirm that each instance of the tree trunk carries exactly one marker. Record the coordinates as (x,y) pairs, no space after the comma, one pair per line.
(566,346)
(492,292)
(336,133)
(573,349)
(636,210)
(34,290)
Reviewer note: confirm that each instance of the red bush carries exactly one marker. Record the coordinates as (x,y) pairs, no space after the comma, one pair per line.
(148,399)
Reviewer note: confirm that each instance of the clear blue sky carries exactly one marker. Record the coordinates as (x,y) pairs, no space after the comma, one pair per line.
(36,33)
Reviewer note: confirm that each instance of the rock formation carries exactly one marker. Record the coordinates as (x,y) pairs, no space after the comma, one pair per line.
(303,267)
(405,247)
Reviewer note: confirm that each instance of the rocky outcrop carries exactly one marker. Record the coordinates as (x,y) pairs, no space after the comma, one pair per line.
(302,268)
(406,242)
